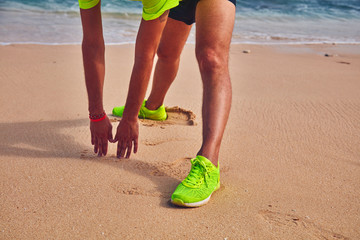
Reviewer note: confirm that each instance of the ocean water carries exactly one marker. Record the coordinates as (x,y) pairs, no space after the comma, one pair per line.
(257,21)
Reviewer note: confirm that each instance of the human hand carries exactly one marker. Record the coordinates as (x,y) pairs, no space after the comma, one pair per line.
(101,132)
(127,133)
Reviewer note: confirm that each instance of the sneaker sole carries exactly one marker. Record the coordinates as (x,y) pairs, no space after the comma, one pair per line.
(181,203)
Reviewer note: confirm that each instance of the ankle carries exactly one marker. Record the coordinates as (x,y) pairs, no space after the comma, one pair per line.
(152,105)
(213,158)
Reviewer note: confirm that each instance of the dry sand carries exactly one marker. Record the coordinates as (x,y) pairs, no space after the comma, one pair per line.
(290,158)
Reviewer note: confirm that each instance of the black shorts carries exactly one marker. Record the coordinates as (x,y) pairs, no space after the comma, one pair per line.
(185,11)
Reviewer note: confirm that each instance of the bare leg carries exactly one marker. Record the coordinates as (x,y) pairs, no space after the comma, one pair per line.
(171,45)
(214,26)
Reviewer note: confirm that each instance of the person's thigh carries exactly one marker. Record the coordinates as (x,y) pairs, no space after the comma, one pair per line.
(173,38)
(214,26)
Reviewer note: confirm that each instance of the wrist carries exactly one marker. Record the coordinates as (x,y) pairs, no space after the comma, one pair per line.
(129,118)
(97,117)
(131,110)
(96,110)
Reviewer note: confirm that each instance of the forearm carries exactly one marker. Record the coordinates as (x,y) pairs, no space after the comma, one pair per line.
(137,88)
(94,68)
(93,56)
(146,46)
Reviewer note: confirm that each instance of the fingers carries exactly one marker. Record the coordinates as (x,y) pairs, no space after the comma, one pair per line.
(121,149)
(105,147)
(95,145)
(128,151)
(101,133)
(118,151)
(125,147)
(110,136)
(127,139)
(100,146)
(135,145)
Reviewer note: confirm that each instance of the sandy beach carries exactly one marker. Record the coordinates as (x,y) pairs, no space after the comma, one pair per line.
(290,157)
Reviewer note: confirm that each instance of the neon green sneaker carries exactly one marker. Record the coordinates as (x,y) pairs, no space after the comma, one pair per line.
(196,189)
(158,114)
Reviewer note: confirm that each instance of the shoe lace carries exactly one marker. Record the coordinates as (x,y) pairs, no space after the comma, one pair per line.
(198,172)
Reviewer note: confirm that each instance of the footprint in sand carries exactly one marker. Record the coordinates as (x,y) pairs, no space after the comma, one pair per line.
(180,116)
(298,224)
(176,116)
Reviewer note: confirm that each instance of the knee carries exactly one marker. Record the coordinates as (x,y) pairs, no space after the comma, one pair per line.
(210,60)
(167,55)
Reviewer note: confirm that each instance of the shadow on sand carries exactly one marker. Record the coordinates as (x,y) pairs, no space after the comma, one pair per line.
(55,139)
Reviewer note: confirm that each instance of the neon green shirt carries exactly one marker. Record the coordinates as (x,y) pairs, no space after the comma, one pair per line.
(152,9)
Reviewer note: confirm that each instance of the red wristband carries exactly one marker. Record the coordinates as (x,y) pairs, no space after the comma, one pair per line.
(98,117)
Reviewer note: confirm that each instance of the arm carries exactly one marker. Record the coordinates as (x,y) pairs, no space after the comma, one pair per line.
(147,42)
(93,49)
